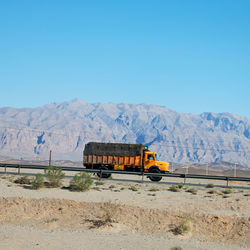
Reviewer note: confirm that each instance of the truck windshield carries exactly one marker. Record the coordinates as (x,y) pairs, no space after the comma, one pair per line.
(151,157)
(156,157)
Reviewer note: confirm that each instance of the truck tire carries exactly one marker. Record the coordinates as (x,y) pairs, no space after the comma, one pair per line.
(154,170)
(103,175)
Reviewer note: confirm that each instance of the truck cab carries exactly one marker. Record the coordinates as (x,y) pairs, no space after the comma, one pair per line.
(151,160)
(153,165)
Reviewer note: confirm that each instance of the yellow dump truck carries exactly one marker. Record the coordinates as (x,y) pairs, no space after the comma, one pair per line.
(123,157)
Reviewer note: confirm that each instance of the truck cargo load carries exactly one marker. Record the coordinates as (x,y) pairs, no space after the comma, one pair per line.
(116,149)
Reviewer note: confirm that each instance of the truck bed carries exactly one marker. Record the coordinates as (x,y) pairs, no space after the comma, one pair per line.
(90,160)
(97,153)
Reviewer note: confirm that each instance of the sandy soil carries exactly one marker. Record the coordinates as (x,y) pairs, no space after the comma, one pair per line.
(142,219)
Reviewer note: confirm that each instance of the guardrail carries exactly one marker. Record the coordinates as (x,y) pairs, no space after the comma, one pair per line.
(101,171)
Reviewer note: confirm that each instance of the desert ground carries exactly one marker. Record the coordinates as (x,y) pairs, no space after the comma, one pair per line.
(141,215)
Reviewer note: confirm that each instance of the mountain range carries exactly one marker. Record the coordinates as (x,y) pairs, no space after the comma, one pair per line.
(65,127)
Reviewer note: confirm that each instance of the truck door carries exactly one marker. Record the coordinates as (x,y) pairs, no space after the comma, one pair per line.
(149,160)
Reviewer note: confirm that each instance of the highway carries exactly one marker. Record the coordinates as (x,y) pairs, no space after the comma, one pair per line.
(5,166)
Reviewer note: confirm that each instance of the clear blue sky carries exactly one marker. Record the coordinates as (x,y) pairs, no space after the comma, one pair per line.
(191,56)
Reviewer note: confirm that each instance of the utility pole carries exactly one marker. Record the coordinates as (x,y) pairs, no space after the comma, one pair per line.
(50,157)
(235,170)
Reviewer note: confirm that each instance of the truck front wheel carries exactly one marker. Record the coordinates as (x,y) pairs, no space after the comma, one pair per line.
(154,170)
(103,175)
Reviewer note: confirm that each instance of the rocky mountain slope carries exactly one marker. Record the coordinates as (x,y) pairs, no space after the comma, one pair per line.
(65,127)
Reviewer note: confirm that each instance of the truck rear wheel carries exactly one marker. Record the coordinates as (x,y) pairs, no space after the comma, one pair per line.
(154,178)
(103,175)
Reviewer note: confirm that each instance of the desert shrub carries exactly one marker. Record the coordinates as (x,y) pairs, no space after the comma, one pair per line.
(133,188)
(23,180)
(99,183)
(219,193)
(174,188)
(11,178)
(54,176)
(184,226)
(211,192)
(225,196)
(37,182)
(192,191)
(227,191)
(154,189)
(54,219)
(180,186)
(112,186)
(210,185)
(176,248)
(110,211)
(81,182)
(246,194)
(122,188)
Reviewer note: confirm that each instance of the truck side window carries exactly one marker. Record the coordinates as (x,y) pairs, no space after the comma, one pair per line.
(151,157)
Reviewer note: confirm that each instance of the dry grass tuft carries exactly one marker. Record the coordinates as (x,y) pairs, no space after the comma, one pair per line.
(133,188)
(110,211)
(212,192)
(227,191)
(51,220)
(154,189)
(210,185)
(99,183)
(97,189)
(176,248)
(174,188)
(192,191)
(22,180)
(184,226)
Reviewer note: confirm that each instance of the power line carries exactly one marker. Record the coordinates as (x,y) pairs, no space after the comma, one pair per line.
(203,149)
(66,134)
(158,144)
(37,130)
